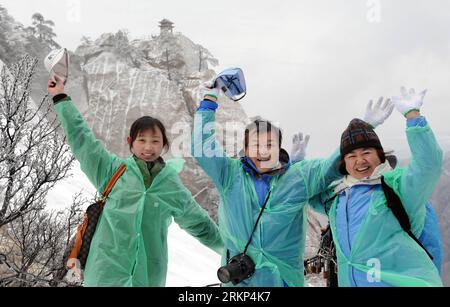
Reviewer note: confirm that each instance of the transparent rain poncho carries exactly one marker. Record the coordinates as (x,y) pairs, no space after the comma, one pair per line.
(381,248)
(277,246)
(129,247)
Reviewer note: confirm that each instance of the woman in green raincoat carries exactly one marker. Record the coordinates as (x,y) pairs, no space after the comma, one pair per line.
(372,248)
(129,247)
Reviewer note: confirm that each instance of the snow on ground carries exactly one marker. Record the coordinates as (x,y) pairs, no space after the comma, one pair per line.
(315,280)
(61,195)
(190,263)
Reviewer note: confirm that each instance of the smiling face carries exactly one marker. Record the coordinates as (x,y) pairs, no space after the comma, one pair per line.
(263,149)
(148,144)
(361,162)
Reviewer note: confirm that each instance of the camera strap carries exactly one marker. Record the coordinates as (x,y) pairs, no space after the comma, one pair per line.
(257,221)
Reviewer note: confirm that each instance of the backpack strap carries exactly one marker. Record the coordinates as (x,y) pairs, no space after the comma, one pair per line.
(113,180)
(328,201)
(395,204)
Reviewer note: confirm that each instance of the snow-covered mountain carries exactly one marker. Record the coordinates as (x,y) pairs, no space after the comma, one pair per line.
(114,81)
(160,77)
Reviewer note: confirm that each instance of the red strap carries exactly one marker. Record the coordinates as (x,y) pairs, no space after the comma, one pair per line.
(113,180)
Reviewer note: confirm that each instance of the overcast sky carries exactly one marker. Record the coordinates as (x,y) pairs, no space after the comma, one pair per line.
(311,65)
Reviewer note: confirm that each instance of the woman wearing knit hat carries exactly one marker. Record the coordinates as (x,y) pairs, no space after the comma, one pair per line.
(373,249)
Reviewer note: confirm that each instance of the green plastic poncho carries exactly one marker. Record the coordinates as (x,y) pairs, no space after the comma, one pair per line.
(129,247)
(381,243)
(278,244)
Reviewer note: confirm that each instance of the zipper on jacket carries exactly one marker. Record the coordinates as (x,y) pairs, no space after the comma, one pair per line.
(347,200)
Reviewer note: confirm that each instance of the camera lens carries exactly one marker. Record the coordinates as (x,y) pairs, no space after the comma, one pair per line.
(224,275)
(238,269)
(231,272)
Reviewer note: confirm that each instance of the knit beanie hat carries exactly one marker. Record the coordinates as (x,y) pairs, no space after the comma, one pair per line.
(358,135)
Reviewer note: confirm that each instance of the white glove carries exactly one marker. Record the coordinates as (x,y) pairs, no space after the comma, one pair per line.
(299,145)
(376,115)
(408,101)
(208,91)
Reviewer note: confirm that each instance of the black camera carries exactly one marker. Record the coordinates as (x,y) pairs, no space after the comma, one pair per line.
(239,268)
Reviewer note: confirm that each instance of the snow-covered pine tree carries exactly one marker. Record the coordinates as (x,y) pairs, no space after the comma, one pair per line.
(33,155)
(33,245)
(33,158)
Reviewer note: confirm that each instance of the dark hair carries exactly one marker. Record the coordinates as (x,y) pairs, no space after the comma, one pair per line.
(343,169)
(261,125)
(148,123)
(392,159)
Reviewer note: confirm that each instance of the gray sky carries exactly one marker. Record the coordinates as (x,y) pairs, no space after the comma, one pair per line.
(311,65)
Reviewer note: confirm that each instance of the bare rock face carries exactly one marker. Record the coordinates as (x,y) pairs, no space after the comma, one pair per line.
(120,94)
(161,78)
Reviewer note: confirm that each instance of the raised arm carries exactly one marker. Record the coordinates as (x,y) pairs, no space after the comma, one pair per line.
(96,162)
(205,146)
(318,174)
(421,175)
